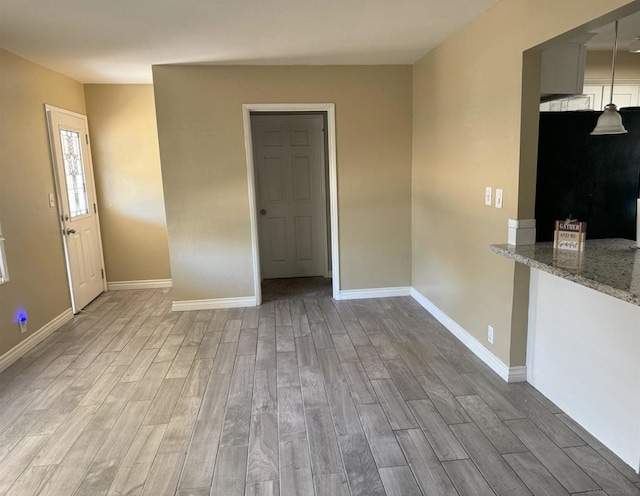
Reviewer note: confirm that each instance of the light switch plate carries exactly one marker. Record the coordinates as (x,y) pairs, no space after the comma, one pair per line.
(498,198)
(52,201)
(487,195)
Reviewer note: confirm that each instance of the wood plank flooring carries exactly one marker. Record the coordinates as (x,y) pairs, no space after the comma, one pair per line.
(298,397)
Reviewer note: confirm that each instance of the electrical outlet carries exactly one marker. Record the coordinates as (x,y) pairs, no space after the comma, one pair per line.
(490,334)
(498,198)
(487,195)
(21,319)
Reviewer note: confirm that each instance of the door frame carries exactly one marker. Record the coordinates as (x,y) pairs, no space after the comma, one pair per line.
(329,110)
(56,183)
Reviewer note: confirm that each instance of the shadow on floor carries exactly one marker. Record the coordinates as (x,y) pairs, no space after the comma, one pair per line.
(298,287)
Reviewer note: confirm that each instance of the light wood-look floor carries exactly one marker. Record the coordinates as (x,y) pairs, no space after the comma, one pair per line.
(296,397)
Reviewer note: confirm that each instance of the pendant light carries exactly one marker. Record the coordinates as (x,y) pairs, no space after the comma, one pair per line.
(610,122)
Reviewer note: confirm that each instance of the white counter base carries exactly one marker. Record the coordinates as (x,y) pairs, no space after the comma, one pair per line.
(583,353)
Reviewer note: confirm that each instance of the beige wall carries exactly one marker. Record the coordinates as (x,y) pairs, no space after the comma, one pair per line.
(33,244)
(205,178)
(467,122)
(598,65)
(126,160)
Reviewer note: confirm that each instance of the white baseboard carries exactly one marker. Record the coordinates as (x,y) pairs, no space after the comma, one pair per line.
(358,294)
(509,374)
(144,284)
(183,306)
(36,338)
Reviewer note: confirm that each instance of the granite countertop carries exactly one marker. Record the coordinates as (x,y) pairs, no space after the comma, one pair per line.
(611,266)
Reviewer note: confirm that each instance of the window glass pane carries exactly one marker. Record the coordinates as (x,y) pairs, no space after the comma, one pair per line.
(74,173)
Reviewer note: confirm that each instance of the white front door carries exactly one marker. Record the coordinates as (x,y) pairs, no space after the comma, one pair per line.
(69,138)
(291,193)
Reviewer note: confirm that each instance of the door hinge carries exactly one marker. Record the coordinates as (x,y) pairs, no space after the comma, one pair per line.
(102,273)
(86,136)
(95,209)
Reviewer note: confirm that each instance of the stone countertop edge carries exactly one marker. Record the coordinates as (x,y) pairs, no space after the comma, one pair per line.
(602,256)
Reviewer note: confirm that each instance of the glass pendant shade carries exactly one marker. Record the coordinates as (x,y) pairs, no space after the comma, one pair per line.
(609,122)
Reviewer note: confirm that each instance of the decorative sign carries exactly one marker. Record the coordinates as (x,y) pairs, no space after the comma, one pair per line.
(569,235)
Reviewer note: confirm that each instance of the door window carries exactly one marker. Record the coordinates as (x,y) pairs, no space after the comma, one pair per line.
(74,173)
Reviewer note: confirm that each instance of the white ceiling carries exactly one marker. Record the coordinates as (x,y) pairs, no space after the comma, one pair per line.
(117,41)
(628,29)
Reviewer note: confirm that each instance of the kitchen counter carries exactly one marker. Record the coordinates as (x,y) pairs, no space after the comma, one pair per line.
(610,266)
(583,346)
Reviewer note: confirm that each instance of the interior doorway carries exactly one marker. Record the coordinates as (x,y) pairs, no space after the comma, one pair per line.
(293,198)
(291,194)
(296,288)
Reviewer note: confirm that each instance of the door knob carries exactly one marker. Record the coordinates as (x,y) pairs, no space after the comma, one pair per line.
(71,231)
(263,212)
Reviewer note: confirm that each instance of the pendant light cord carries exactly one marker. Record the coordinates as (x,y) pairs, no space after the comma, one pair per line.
(610,121)
(613,63)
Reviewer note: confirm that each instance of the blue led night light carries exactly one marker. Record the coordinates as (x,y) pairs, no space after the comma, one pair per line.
(21,316)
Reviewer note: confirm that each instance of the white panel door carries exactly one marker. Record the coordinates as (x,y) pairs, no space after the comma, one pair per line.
(623,95)
(69,138)
(290,172)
